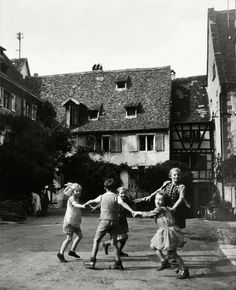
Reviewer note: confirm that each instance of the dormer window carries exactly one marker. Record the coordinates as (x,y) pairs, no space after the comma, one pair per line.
(93,115)
(121,82)
(122,85)
(131,110)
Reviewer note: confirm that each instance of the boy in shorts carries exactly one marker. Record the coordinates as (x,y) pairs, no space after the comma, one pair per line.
(109,221)
(72,221)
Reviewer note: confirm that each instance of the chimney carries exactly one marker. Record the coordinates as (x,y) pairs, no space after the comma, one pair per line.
(172,74)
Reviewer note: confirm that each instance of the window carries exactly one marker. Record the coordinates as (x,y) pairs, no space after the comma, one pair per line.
(213,72)
(106,143)
(28,110)
(146,142)
(93,115)
(131,112)
(7,102)
(121,85)
(34,112)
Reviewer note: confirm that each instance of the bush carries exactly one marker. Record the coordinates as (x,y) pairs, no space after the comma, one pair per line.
(153,177)
(90,174)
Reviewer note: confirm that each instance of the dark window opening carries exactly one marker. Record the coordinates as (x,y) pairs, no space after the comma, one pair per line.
(121,85)
(106,143)
(93,115)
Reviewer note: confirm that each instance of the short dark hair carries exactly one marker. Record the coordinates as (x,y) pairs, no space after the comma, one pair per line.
(111,184)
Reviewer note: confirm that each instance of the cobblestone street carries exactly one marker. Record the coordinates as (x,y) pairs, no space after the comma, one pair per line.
(28,257)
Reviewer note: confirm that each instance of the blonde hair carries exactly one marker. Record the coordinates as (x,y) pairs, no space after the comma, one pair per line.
(72,188)
(174,169)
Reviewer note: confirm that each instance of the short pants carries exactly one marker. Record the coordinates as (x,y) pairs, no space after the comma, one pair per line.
(70,230)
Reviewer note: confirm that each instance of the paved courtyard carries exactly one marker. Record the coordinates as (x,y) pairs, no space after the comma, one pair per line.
(28,257)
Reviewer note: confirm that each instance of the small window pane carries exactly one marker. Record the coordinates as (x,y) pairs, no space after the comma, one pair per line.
(142,146)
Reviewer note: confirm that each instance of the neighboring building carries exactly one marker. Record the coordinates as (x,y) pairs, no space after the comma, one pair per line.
(221,88)
(15,97)
(119,116)
(191,134)
(221,79)
(22,66)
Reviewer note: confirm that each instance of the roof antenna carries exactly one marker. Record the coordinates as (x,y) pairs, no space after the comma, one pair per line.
(19,37)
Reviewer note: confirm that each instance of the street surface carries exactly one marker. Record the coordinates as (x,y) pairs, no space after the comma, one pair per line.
(29,261)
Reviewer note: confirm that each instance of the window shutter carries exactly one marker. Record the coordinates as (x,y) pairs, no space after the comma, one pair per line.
(116,144)
(133,143)
(1,96)
(160,146)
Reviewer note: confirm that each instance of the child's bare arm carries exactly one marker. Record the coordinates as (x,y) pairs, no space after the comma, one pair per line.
(92,201)
(78,205)
(125,205)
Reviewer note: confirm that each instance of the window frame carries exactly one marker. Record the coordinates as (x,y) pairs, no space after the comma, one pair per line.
(93,119)
(133,115)
(109,143)
(118,88)
(146,142)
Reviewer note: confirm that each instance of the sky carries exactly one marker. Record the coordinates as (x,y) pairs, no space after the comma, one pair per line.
(68,36)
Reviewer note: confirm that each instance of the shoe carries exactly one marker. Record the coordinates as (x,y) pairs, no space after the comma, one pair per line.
(61,258)
(73,254)
(173,262)
(164,265)
(117,266)
(91,264)
(183,274)
(123,254)
(105,247)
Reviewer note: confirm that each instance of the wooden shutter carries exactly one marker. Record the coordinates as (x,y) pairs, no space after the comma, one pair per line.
(133,143)
(159,142)
(115,144)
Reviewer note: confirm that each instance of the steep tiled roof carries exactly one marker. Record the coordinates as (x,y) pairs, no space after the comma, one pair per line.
(150,87)
(222,25)
(10,74)
(19,63)
(189,100)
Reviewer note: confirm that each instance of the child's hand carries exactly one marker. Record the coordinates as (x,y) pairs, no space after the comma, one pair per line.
(136,213)
(138,200)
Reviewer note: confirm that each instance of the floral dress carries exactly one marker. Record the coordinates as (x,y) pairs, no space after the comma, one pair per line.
(168,236)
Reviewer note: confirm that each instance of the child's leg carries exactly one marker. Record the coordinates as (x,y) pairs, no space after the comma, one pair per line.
(122,241)
(76,241)
(115,246)
(179,260)
(65,243)
(159,253)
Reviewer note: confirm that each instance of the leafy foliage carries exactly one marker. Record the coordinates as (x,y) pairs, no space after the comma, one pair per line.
(29,158)
(90,174)
(153,177)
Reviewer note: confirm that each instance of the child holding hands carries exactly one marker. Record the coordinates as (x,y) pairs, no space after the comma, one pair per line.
(72,221)
(108,222)
(168,237)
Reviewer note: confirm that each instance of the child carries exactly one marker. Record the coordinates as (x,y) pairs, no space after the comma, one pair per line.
(168,237)
(122,237)
(176,191)
(72,221)
(109,221)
